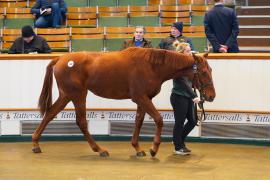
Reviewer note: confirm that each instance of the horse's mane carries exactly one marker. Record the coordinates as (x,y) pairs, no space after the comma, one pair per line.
(160,56)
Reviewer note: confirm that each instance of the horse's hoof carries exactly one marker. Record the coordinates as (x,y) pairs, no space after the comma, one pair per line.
(152,152)
(104,154)
(36,150)
(141,154)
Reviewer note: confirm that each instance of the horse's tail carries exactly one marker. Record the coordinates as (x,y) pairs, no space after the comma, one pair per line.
(45,98)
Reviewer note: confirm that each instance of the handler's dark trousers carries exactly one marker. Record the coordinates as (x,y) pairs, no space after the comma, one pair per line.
(183,108)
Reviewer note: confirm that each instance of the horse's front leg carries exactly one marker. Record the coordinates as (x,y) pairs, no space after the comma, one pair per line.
(146,104)
(138,124)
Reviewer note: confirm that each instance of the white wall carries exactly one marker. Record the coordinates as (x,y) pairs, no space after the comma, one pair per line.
(240,85)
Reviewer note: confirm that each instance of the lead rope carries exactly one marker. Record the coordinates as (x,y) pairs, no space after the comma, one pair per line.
(200,118)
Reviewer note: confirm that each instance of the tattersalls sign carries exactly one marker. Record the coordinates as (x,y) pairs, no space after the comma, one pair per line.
(246,118)
(35,115)
(11,122)
(90,115)
(213,117)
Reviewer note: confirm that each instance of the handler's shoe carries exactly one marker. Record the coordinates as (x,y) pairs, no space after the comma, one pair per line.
(182,151)
(188,150)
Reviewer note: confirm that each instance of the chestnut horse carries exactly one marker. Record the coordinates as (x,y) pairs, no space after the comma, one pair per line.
(134,73)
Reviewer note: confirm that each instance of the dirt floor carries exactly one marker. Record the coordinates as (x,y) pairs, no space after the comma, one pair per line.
(75,161)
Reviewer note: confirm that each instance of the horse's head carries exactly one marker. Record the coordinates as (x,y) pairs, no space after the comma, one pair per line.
(203,78)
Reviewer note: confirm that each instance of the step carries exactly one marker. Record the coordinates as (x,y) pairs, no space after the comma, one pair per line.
(258,2)
(252,49)
(254,30)
(253,10)
(257,41)
(254,20)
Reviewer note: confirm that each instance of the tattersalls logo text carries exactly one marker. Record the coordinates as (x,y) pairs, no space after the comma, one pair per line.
(224,117)
(262,118)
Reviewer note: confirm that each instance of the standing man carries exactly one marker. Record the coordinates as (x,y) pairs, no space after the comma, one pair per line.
(221,28)
(176,35)
(29,43)
(49,13)
(138,39)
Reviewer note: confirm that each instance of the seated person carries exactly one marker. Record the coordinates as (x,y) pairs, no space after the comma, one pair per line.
(176,35)
(29,43)
(138,40)
(49,13)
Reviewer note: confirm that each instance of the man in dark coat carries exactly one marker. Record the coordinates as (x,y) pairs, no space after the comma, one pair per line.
(221,28)
(176,35)
(29,43)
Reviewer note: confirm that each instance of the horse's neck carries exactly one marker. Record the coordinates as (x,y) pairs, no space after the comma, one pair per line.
(188,72)
(183,69)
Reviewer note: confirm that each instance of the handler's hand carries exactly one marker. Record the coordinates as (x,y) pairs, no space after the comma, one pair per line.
(196,100)
(222,50)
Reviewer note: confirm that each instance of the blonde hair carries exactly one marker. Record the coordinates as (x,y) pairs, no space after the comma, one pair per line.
(180,47)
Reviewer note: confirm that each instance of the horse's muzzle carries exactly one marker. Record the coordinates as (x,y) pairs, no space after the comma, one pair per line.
(210,99)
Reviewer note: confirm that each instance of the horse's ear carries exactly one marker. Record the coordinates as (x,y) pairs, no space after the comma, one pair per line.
(175,45)
(195,57)
(205,55)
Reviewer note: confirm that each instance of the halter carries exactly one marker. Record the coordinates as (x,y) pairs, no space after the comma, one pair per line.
(201,89)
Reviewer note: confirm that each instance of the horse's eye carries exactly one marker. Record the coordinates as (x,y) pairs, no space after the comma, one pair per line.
(205,74)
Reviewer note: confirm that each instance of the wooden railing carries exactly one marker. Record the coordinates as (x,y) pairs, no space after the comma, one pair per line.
(216,56)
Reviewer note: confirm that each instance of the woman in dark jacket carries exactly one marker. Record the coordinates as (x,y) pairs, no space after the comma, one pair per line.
(182,100)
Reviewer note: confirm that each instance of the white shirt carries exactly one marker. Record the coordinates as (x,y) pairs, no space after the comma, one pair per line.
(219,3)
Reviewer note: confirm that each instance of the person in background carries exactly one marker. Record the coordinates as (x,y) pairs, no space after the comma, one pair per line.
(182,100)
(221,28)
(182,47)
(138,40)
(176,35)
(29,42)
(49,13)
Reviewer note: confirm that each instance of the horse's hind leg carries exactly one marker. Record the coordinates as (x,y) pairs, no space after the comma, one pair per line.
(146,104)
(58,106)
(80,108)
(138,124)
